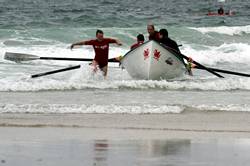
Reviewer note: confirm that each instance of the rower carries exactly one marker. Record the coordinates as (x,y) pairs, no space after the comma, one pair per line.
(140,41)
(164,39)
(153,34)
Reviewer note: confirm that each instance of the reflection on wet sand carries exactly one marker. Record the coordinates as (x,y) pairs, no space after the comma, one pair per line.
(100,153)
(169,152)
(139,152)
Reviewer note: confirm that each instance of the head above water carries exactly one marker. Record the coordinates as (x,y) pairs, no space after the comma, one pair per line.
(151,29)
(163,33)
(99,35)
(140,38)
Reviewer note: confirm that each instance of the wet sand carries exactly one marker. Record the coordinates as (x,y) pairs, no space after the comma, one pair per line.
(49,142)
(178,152)
(190,138)
(189,124)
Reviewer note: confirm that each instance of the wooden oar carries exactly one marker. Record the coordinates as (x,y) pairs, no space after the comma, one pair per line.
(225,71)
(19,57)
(55,71)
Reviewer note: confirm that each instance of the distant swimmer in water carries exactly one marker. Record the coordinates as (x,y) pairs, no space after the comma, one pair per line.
(101,47)
(221,11)
(140,40)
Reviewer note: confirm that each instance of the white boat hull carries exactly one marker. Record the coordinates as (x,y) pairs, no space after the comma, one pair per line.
(151,61)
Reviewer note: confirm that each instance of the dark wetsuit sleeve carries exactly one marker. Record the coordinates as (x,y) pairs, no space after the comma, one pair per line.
(176,47)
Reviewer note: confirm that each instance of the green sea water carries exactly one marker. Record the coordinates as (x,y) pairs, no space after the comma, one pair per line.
(68,20)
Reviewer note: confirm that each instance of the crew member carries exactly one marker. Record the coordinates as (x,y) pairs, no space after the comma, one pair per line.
(101,47)
(164,39)
(140,40)
(153,34)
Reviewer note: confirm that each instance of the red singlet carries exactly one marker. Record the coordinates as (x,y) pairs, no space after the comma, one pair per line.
(101,50)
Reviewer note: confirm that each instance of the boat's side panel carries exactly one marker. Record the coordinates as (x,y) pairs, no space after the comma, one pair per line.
(137,61)
(164,64)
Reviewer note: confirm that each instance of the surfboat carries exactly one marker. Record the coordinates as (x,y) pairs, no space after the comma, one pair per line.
(153,61)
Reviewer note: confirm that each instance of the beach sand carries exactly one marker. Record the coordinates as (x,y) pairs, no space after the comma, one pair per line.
(189,124)
(189,138)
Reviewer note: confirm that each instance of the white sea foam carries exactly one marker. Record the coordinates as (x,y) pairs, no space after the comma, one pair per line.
(113,109)
(211,55)
(74,108)
(221,107)
(76,82)
(235,30)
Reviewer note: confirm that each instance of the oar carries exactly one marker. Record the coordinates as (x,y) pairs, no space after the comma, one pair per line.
(18,57)
(202,67)
(55,71)
(194,62)
(225,71)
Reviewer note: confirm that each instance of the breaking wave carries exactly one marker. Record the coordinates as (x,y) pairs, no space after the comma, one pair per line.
(78,83)
(226,30)
(117,109)
(74,108)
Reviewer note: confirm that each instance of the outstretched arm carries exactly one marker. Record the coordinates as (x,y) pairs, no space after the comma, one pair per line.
(77,44)
(112,40)
(118,42)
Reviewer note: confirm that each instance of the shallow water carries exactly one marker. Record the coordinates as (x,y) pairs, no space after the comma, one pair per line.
(123,101)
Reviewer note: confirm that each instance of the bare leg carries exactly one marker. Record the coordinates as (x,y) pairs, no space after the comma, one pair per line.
(96,67)
(105,71)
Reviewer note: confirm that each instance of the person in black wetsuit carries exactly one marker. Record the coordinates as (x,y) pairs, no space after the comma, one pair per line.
(164,39)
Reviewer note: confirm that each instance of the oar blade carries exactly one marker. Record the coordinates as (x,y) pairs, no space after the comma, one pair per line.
(19,57)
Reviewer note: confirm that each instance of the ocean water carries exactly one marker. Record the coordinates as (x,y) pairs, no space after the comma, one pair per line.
(48,27)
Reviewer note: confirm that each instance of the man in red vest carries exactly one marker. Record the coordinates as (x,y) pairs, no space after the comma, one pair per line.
(101,47)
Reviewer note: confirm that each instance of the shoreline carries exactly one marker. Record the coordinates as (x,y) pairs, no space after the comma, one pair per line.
(189,124)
